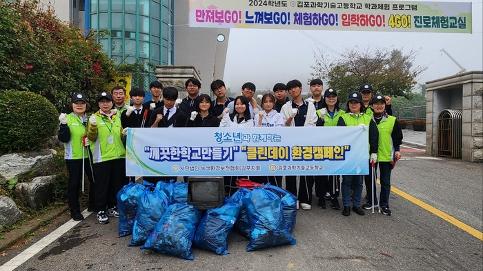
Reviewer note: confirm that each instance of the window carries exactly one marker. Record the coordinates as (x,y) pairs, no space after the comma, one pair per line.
(143,37)
(164,55)
(130,47)
(93,6)
(155,52)
(130,22)
(103,21)
(116,33)
(103,5)
(116,46)
(155,27)
(130,6)
(130,35)
(130,60)
(116,5)
(144,7)
(143,24)
(144,50)
(94,24)
(105,44)
(155,10)
(116,21)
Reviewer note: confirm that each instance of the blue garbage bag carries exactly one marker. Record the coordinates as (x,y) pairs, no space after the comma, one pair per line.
(242,224)
(289,205)
(174,232)
(151,206)
(127,202)
(265,214)
(176,192)
(214,227)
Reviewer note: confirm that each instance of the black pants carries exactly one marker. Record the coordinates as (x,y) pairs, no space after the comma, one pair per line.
(109,176)
(273,180)
(324,184)
(305,189)
(385,169)
(74,168)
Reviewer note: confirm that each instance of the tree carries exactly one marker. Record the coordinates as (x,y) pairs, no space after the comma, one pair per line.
(389,72)
(41,54)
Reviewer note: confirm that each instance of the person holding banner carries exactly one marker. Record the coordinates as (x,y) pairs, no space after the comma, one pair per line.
(388,153)
(105,139)
(202,116)
(221,102)
(248,91)
(352,184)
(298,112)
(269,117)
(72,132)
(329,116)
(156,88)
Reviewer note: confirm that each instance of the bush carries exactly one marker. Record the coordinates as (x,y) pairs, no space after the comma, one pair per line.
(26,122)
(419,125)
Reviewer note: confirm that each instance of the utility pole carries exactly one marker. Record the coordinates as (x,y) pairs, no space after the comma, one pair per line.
(462,69)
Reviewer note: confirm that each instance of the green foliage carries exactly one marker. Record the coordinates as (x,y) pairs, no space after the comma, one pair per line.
(41,54)
(389,72)
(12,183)
(26,122)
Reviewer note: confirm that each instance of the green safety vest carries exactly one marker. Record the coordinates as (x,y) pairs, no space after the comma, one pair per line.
(369,111)
(385,150)
(108,145)
(331,121)
(77,130)
(356,120)
(121,109)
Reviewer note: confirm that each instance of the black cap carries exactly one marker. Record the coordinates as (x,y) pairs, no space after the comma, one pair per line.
(330,91)
(170,93)
(355,96)
(76,97)
(365,88)
(104,95)
(378,98)
(316,81)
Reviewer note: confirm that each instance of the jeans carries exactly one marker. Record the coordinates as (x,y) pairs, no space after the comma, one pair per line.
(351,190)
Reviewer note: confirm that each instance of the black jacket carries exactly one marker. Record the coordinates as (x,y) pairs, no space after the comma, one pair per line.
(187,105)
(137,120)
(209,121)
(179,119)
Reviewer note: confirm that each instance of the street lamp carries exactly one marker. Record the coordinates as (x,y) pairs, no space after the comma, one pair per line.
(219,39)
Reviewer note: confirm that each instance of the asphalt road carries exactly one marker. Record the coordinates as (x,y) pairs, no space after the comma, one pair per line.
(411,239)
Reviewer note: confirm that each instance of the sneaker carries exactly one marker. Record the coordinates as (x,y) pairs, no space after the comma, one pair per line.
(334,204)
(102,217)
(358,210)
(327,196)
(386,211)
(77,216)
(367,206)
(305,206)
(346,211)
(113,212)
(322,203)
(298,205)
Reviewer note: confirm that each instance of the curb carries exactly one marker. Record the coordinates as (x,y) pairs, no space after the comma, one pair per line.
(414,144)
(14,235)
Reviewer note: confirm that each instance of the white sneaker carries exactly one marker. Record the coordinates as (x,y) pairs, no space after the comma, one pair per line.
(298,205)
(305,206)
(102,217)
(113,212)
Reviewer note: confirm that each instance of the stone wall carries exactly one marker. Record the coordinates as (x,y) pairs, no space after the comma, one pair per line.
(472,122)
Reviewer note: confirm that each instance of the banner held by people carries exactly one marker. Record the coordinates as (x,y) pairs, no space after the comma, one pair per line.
(254,152)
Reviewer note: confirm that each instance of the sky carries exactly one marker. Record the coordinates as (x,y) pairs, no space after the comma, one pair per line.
(266,57)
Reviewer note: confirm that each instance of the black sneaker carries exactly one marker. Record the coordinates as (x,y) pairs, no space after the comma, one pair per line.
(102,217)
(113,212)
(334,204)
(346,211)
(77,216)
(367,206)
(358,210)
(322,203)
(386,211)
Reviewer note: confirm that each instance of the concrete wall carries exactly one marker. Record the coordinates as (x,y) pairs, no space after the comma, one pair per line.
(198,47)
(62,8)
(472,122)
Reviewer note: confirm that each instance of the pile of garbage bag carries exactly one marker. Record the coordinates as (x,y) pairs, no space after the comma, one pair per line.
(160,218)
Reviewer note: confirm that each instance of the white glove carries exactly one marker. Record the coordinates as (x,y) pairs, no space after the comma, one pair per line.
(129,110)
(63,118)
(92,120)
(178,101)
(373,158)
(323,112)
(152,106)
(294,112)
(193,115)
(259,96)
(114,111)
(124,131)
(226,111)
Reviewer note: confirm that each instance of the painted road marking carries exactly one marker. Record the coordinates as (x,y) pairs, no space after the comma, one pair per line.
(448,218)
(41,244)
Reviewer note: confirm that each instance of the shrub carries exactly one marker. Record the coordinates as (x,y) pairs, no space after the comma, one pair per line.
(26,122)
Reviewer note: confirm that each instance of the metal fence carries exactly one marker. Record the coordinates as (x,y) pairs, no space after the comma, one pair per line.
(450,133)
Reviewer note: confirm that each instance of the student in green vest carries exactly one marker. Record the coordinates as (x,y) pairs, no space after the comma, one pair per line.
(72,132)
(329,116)
(352,184)
(390,139)
(104,132)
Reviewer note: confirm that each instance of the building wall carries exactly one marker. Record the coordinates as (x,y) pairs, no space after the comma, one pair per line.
(198,47)
(62,8)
